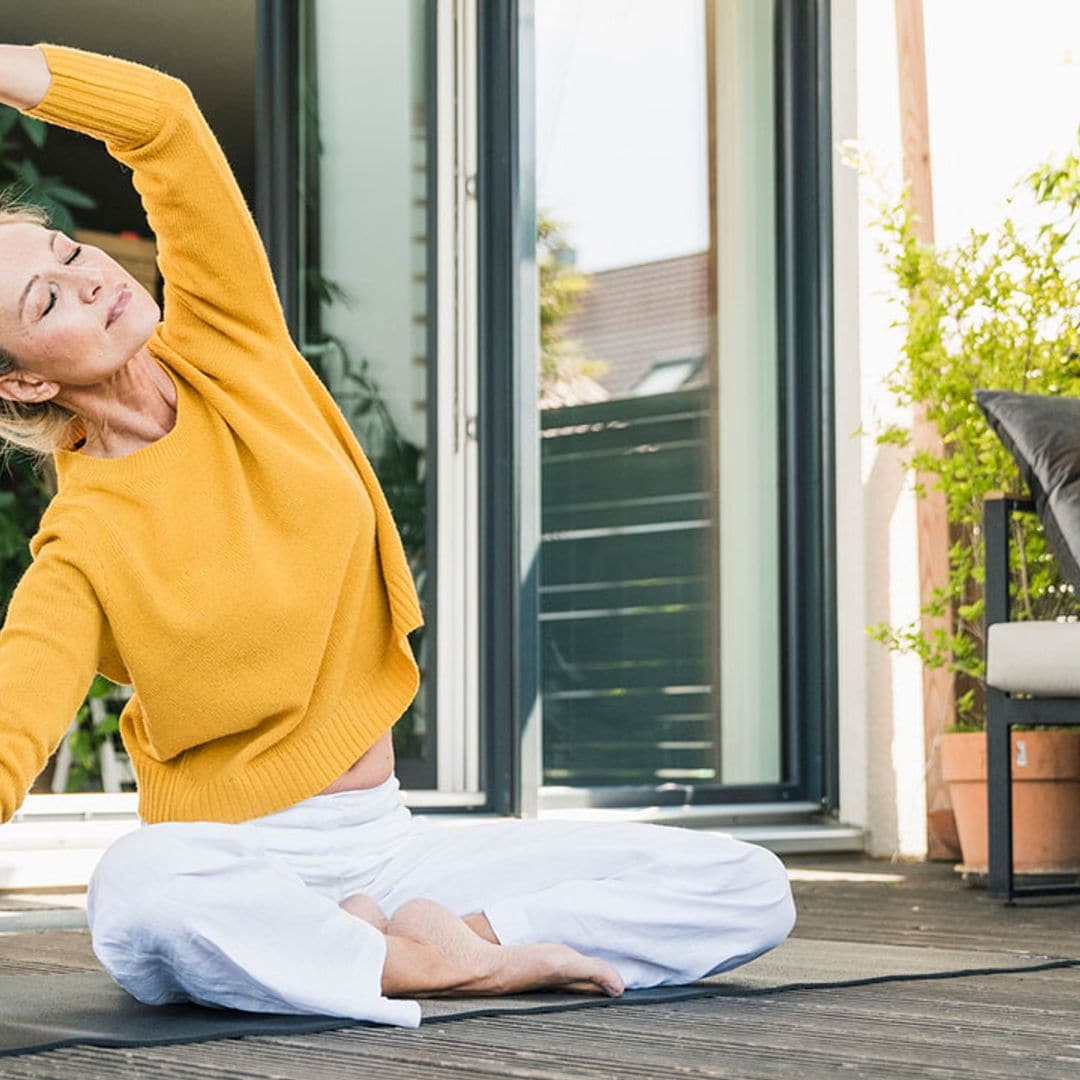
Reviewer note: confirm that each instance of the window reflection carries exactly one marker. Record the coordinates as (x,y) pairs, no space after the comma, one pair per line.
(658,555)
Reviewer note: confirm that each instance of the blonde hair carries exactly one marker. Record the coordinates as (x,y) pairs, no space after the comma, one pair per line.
(35,427)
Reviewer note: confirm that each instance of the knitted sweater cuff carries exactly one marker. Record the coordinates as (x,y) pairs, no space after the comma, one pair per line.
(116,100)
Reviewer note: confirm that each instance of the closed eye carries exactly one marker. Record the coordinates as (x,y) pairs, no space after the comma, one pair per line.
(52,295)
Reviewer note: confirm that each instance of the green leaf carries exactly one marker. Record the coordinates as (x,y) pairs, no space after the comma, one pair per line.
(36,130)
(68,195)
(27,171)
(110,724)
(997,309)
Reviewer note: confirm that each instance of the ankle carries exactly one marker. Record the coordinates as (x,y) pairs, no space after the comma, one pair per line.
(415,967)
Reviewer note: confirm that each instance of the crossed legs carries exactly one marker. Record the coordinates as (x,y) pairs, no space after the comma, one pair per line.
(524,905)
(430,951)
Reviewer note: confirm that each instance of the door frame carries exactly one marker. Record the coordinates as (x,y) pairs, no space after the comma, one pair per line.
(508,420)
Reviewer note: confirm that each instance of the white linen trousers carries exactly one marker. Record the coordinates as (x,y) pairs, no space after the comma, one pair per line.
(246,916)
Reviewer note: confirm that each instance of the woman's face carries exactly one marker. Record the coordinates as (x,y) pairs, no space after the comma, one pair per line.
(55,301)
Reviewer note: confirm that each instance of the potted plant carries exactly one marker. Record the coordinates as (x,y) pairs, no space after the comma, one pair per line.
(998,310)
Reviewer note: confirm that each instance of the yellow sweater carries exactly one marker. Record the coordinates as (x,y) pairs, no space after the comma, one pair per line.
(243,573)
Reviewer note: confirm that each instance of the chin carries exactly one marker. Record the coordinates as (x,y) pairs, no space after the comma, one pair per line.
(142,316)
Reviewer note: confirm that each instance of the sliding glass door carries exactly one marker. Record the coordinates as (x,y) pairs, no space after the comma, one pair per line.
(658,397)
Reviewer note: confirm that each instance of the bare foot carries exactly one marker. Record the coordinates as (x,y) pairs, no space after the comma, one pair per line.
(363,907)
(478,923)
(454,959)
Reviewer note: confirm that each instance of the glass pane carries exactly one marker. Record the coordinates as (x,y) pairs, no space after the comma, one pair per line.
(659,553)
(368,268)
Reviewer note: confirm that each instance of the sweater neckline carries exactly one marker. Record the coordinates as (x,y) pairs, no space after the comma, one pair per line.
(72,463)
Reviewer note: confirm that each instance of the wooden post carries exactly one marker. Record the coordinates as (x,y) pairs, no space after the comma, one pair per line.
(939,707)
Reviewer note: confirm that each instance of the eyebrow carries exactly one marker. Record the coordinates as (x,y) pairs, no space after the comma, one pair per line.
(30,283)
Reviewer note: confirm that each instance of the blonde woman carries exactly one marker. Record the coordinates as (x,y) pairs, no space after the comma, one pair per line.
(219,541)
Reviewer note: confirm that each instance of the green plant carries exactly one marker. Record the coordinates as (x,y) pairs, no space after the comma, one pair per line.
(25,180)
(23,499)
(561,287)
(999,310)
(86,740)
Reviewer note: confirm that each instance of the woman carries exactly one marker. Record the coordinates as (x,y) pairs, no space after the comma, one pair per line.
(219,541)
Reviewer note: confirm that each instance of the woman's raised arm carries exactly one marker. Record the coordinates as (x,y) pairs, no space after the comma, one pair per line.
(216,273)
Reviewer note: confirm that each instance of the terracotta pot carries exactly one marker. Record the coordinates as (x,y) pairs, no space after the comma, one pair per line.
(1045,793)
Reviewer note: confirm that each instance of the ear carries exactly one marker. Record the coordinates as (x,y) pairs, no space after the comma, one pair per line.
(27,389)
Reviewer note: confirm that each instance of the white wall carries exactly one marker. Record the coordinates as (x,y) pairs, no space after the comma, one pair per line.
(1004,85)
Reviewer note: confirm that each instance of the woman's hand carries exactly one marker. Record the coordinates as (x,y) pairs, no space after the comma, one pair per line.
(24,75)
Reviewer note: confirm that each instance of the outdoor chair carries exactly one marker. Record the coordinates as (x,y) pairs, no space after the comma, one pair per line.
(1032,677)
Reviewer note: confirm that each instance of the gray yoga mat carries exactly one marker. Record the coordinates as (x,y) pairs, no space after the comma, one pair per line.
(46,1012)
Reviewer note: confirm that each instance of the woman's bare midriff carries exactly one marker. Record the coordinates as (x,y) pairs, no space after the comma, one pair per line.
(369,771)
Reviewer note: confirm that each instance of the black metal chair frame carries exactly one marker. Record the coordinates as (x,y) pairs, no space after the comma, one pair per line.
(1004,710)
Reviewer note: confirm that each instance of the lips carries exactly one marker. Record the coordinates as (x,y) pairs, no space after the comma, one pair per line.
(123,295)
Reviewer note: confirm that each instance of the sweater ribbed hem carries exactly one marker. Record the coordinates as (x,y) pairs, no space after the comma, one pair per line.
(90,93)
(405,610)
(301,765)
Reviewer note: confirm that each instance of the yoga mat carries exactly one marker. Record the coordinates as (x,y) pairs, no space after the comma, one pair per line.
(46,1012)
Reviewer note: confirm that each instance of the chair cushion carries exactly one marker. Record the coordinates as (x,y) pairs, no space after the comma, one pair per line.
(1042,432)
(1040,658)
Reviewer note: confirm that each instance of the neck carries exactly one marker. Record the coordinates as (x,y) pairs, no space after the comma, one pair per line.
(132,408)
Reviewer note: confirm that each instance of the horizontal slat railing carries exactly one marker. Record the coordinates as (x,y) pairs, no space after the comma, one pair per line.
(625,592)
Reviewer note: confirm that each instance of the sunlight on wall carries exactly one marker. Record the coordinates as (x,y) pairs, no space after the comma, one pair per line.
(1003,80)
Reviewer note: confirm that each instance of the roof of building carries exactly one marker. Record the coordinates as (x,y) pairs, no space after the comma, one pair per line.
(636,316)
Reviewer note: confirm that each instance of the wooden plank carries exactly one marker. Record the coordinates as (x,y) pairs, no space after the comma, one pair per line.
(644,405)
(644,711)
(687,506)
(939,711)
(650,471)
(617,434)
(674,553)
(622,594)
(137,255)
(573,723)
(623,640)
(582,678)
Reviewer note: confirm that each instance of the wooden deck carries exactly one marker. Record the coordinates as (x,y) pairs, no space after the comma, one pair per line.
(1015,1025)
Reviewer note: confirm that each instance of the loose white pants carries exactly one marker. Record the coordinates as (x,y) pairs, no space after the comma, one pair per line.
(246,916)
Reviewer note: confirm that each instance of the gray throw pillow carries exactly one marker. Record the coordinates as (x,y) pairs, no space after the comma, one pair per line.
(1042,432)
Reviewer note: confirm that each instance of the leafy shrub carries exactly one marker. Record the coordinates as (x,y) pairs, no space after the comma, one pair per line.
(999,310)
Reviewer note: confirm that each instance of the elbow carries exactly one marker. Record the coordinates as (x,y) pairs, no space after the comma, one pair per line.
(177,94)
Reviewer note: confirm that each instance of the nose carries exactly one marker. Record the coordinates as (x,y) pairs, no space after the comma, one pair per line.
(90,283)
